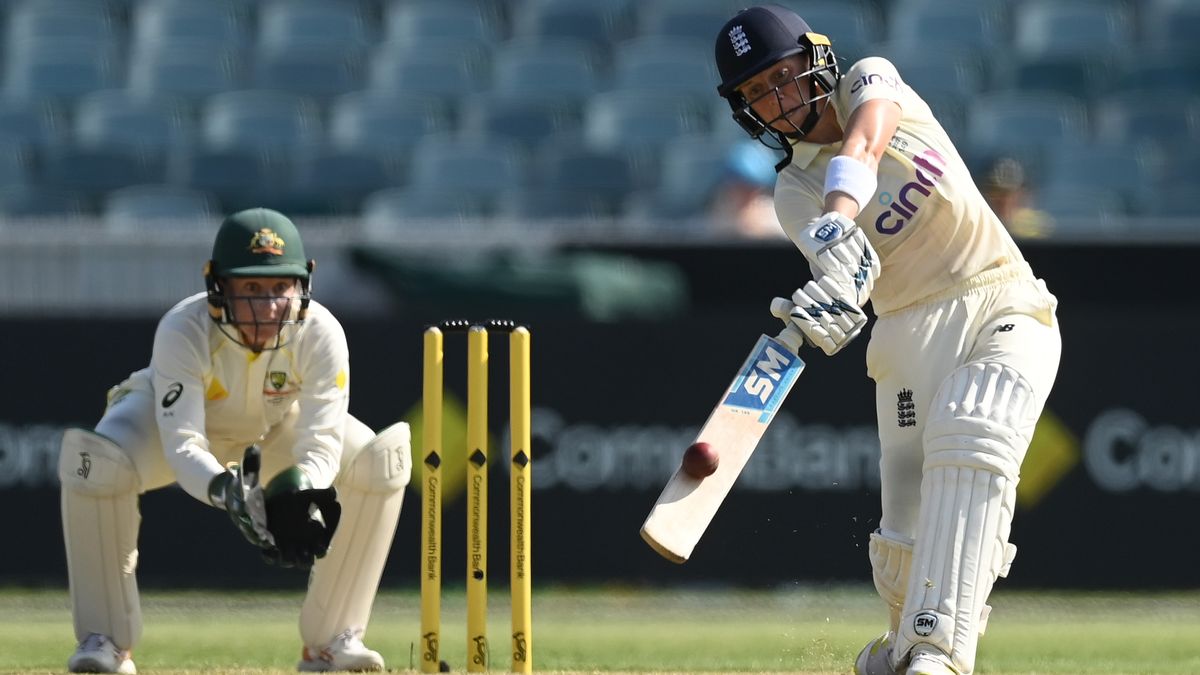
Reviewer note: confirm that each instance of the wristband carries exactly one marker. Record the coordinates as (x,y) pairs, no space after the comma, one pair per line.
(852,177)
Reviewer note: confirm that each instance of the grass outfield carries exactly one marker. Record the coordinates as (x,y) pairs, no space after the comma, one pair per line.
(800,630)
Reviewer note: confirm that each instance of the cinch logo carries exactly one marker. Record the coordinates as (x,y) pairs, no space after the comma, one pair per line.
(741,44)
(873,78)
(765,378)
(930,166)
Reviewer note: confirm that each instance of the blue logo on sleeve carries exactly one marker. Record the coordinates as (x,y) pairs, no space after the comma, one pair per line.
(765,379)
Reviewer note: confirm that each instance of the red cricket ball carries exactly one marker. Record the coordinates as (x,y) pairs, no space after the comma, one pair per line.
(700,460)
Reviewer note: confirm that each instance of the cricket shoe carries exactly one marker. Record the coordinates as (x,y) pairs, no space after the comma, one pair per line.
(876,657)
(98,654)
(927,660)
(344,652)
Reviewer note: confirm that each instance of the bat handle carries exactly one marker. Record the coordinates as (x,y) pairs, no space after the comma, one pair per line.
(792,337)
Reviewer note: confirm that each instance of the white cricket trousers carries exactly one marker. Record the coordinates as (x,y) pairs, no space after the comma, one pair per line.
(1003,315)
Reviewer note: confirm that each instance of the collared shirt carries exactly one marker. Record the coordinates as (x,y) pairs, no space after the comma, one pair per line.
(211,392)
(928,221)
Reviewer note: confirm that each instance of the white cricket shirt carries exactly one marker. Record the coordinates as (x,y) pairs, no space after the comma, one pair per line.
(928,221)
(211,392)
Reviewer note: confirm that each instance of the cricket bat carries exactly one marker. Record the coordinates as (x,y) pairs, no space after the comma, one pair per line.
(687,505)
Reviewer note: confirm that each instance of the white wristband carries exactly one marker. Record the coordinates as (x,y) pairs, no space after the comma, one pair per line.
(852,177)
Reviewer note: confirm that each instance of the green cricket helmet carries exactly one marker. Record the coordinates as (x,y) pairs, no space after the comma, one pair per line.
(256,243)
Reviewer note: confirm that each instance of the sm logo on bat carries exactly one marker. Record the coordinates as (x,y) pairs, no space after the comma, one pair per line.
(765,379)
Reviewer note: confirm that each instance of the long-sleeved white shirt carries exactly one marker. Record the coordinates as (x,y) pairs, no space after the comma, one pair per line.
(212,392)
(928,221)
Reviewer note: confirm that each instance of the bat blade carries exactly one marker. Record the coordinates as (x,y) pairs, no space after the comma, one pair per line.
(687,505)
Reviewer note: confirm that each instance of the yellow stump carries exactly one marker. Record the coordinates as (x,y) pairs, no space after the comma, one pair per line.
(477,517)
(431,503)
(519,497)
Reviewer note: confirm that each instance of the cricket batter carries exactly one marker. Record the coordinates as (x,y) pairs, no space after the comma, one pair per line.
(253,366)
(966,344)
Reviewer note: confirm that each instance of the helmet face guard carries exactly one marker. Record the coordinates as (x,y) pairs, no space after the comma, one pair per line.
(757,39)
(222,308)
(257,243)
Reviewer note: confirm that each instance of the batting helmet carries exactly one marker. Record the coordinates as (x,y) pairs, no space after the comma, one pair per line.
(754,40)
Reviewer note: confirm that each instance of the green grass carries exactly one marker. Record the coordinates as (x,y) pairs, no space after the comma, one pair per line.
(798,630)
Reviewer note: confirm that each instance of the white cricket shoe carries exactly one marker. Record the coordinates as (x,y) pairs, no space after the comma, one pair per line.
(926,660)
(876,657)
(98,654)
(344,652)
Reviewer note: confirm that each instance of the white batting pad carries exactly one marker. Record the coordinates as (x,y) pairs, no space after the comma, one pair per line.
(100,527)
(978,431)
(343,583)
(891,561)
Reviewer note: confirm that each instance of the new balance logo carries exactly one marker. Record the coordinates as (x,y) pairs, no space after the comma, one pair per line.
(1004,328)
(906,410)
(741,44)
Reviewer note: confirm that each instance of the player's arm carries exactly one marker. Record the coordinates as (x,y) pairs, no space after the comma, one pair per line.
(868,131)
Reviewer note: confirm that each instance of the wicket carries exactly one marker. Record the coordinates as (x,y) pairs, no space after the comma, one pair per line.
(521,587)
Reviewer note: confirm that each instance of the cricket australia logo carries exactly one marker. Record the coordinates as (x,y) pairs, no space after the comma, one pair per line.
(741,44)
(277,379)
(906,410)
(266,241)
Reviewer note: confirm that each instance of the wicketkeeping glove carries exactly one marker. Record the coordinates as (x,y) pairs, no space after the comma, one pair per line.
(239,493)
(302,519)
(827,320)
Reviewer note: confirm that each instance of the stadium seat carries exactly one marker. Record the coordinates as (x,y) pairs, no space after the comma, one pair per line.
(1159,72)
(1124,170)
(431,22)
(38,123)
(620,119)
(60,69)
(1070,27)
(936,69)
(484,170)
(535,204)
(554,69)
(684,19)
(691,170)
(851,26)
(214,23)
(263,120)
(665,65)
(950,110)
(1171,25)
(1081,213)
(121,119)
(1078,75)
(191,71)
(320,70)
(572,168)
(35,22)
(155,205)
(524,120)
(40,201)
(395,209)
(914,21)
(93,170)
(421,74)
(1021,123)
(384,124)
(315,24)
(239,178)
(1165,119)
(597,23)
(336,181)
(14,161)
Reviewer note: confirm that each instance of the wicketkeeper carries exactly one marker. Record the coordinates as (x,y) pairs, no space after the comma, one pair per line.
(249,379)
(966,344)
